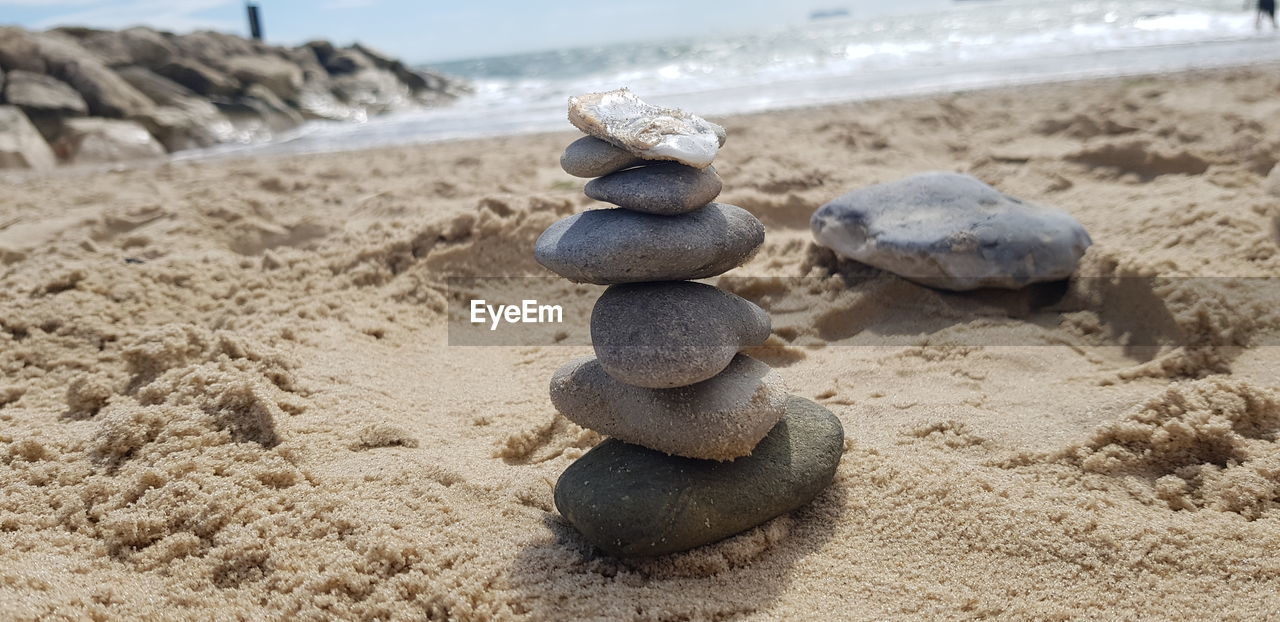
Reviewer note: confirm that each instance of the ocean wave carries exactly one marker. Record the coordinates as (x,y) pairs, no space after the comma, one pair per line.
(1000,42)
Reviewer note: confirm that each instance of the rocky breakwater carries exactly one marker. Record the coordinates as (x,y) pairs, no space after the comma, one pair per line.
(705,441)
(80,95)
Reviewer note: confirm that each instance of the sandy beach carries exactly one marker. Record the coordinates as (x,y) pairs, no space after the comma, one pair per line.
(226,389)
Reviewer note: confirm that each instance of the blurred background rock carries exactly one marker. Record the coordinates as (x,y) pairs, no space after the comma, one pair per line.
(84,95)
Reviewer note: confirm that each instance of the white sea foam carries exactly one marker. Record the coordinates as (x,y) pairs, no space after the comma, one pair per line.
(994,43)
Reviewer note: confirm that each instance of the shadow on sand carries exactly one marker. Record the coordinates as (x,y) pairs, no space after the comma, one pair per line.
(1144,316)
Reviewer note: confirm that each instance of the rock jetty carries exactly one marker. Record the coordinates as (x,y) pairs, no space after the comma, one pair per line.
(705,441)
(105,96)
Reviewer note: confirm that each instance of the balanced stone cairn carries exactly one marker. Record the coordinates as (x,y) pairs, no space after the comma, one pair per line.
(705,441)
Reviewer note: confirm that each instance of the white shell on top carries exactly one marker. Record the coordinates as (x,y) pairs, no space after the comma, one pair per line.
(648,131)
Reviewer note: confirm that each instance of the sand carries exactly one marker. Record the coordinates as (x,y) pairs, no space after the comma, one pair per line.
(226,390)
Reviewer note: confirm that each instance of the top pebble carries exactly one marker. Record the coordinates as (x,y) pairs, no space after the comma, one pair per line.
(646,131)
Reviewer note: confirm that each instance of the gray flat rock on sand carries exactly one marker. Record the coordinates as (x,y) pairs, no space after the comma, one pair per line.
(611,246)
(672,333)
(630,501)
(718,419)
(591,157)
(647,131)
(665,188)
(951,231)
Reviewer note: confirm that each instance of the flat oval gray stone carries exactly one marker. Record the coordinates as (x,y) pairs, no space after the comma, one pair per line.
(611,246)
(591,157)
(951,231)
(672,333)
(630,501)
(665,188)
(718,419)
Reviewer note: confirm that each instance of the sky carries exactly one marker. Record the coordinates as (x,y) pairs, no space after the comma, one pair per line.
(421,31)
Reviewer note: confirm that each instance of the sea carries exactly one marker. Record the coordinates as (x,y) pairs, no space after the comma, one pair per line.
(838,55)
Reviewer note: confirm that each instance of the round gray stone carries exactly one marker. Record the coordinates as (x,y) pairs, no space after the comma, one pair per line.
(718,419)
(951,231)
(591,157)
(665,188)
(630,501)
(611,246)
(672,333)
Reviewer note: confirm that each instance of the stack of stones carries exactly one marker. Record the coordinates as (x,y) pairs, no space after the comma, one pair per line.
(705,441)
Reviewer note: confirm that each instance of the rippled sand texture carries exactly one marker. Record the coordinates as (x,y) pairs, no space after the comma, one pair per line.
(225,389)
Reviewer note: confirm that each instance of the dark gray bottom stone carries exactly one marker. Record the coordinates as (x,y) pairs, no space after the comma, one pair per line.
(631,501)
